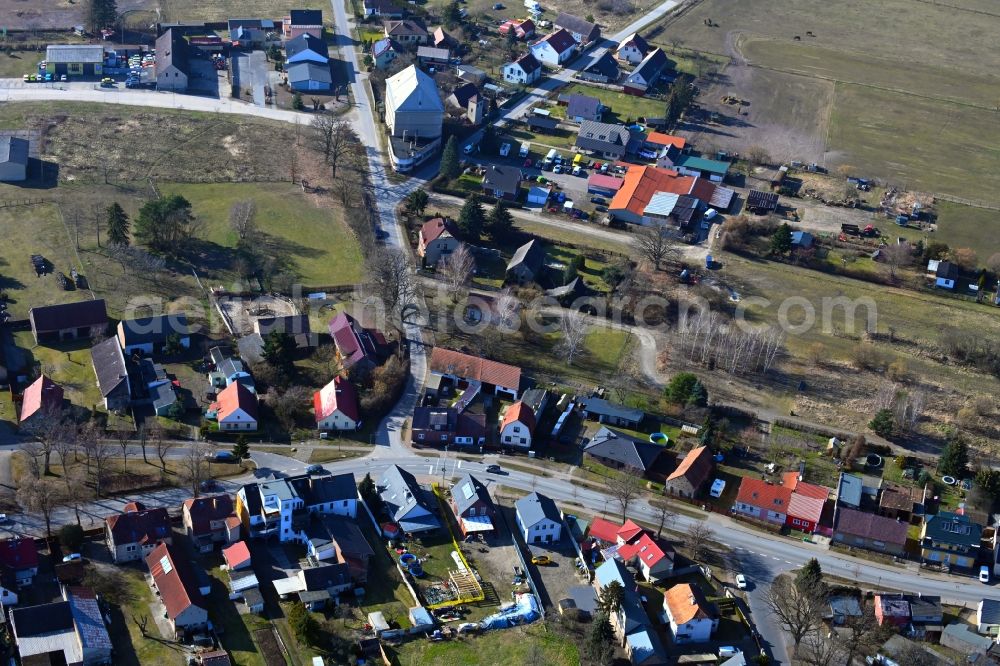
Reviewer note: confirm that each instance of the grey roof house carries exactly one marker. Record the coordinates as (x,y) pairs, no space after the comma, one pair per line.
(310,76)
(172,61)
(13,159)
(111,369)
(502,182)
(584,107)
(150,334)
(406,502)
(609,412)
(621,451)
(538,519)
(582,30)
(606,140)
(601,69)
(527,262)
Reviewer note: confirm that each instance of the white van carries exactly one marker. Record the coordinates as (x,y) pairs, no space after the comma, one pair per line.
(710,214)
(525,149)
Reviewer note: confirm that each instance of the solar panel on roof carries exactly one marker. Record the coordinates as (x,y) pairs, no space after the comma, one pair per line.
(166,564)
(468,490)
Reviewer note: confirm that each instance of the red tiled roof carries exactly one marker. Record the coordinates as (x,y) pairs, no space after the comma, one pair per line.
(451,362)
(18,553)
(642,182)
(519,412)
(686,603)
(755,492)
(137,525)
(432,229)
(605,530)
(629,531)
(605,181)
(661,139)
(354,342)
(790,479)
(236,554)
(204,510)
(338,394)
(174,579)
(695,467)
(233,397)
(646,549)
(42,394)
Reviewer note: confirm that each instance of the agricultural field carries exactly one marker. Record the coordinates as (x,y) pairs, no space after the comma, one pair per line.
(918,112)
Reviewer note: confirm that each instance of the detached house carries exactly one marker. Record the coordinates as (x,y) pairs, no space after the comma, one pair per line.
(406,502)
(438,238)
(177,587)
(582,30)
(555,49)
(384,51)
(584,107)
(173,67)
(473,506)
(211,520)
(517,425)
(336,406)
(653,558)
(150,334)
(538,519)
(620,451)
(691,475)
(763,501)
(633,49)
(132,534)
(951,540)
(643,77)
(407,32)
(522,29)
(19,559)
(356,344)
(235,409)
(70,321)
(302,21)
(111,369)
(527,262)
(524,70)
(305,48)
(691,618)
(502,182)
(42,400)
(476,372)
(602,68)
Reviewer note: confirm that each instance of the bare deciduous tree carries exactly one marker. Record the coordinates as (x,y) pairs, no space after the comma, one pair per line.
(393,283)
(819,650)
(698,538)
(711,340)
(47,428)
(456,269)
(799,612)
(896,257)
(656,244)
(101,453)
(163,445)
(506,308)
(42,496)
(574,325)
(196,466)
(664,516)
(624,488)
(334,137)
(243,219)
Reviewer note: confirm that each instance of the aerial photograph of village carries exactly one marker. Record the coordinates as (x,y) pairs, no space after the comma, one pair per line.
(460,333)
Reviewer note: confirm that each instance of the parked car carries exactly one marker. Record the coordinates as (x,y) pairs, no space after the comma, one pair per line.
(315,469)
(741,581)
(493,469)
(727,651)
(577,171)
(984,574)
(72,557)
(541,560)
(557,168)
(597,200)
(63,78)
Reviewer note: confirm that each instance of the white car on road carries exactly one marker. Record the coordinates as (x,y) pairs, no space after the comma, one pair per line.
(741,581)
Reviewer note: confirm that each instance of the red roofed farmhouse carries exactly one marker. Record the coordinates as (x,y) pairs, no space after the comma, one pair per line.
(211,520)
(174,579)
(336,406)
(691,474)
(472,369)
(763,501)
(655,559)
(805,508)
(43,397)
(132,534)
(235,408)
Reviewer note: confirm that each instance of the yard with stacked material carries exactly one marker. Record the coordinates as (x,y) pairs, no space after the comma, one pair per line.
(918,111)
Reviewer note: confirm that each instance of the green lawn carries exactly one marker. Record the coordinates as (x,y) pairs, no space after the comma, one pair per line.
(238,629)
(131,647)
(314,242)
(18,63)
(561,140)
(623,107)
(532,644)
(69,365)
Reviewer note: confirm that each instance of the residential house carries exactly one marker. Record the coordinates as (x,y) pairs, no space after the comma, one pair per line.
(173,68)
(763,501)
(211,520)
(892,609)
(926,616)
(900,502)
(235,409)
(111,369)
(384,51)
(14,155)
(647,73)
(315,586)
(583,107)
(19,560)
(336,406)
(605,140)
(761,203)
(523,28)
(81,320)
(690,617)
(517,425)
(950,539)
(438,238)
(805,507)
(467,99)
(70,631)
(691,475)
(555,48)
(473,506)
(384,8)
(945,273)
(652,557)
(282,507)
(527,262)
(74,60)
(356,345)
(406,502)
(602,68)
(692,165)
(610,413)
(583,31)
(150,334)
(433,57)
(843,608)
(309,77)
(295,326)
(443,426)
(177,588)
(988,617)
(633,49)
(620,451)
(525,70)
(303,21)
(644,183)
(538,519)
(502,182)
(612,534)
(869,531)
(226,370)
(349,545)
(41,401)
(470,74)
(631,625)
(132,534)
(667,148)
(443,40)
(407,32)
(414,115)
(960,637)
(850,489)
(237,556)
(306,48)
(476,372)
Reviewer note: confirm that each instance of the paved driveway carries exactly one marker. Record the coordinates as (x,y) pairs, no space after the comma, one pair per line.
(250,71)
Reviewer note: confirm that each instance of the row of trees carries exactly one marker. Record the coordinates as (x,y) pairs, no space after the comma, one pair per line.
(712,341)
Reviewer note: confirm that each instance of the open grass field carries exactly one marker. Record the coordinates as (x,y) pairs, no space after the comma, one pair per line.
(532,644)
(964,226)
(314,242)
(220,10)
(18,63)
